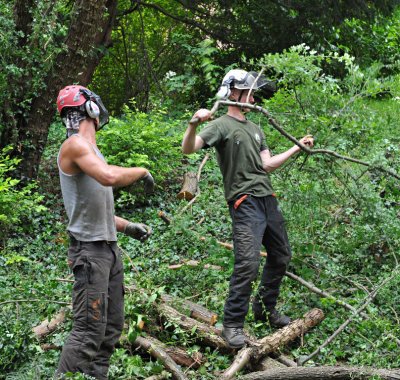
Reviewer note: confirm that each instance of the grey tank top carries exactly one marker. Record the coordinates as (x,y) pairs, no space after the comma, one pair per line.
(89,204)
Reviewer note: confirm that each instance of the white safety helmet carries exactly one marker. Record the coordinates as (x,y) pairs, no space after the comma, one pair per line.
(242,80)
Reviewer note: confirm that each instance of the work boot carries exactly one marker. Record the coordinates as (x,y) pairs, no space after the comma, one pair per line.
(274,317)
(234,337)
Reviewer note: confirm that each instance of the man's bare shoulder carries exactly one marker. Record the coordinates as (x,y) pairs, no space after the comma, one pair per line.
(77,146)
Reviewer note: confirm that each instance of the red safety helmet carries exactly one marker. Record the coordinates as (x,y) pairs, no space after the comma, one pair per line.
(80,97)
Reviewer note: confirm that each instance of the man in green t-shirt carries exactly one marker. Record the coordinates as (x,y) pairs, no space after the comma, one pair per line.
(245,162)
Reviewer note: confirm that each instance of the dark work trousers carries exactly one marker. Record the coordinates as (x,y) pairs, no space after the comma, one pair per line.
(98,308)
(256,221)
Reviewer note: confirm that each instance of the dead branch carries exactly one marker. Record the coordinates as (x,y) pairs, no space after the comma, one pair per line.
(272,342)
(286,361)
(47,327)
(322,293)
(207,335)
(323,373)
(158,352)
(164,217)
(230,246)
(194,263)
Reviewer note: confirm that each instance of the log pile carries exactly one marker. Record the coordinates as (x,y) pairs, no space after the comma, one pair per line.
(198,322)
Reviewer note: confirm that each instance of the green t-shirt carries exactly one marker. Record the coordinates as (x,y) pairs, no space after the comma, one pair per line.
(238,145)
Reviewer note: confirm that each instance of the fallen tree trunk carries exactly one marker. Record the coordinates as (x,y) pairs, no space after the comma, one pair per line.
(323,373)
(196,311)
(273,342)
(158,352)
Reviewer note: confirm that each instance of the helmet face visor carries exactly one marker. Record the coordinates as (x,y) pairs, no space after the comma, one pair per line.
(251,80)
(104,117)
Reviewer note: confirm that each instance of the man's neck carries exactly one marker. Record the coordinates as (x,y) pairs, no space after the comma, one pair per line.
(236,112)
(87,130)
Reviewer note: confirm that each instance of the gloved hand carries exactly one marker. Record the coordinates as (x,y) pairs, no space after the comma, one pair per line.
(138,231)
(148,183)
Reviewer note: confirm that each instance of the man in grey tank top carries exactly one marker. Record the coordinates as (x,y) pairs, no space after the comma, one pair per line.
(93,255)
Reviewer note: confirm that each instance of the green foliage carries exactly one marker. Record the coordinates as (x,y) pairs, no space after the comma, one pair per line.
(17,205)
(342,220)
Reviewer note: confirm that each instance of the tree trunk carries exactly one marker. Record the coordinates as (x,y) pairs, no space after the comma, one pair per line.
(323,373)
(89,30)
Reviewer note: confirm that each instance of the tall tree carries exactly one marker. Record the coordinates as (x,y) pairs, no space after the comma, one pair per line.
(56,43)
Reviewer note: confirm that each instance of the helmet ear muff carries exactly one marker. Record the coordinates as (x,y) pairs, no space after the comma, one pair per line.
(224,92)
(92,109)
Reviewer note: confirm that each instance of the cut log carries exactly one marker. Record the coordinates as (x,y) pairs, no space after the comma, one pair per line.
(323,373)
(177,354)
(196,311)
(47,327)
(194,263)
(189,187)
(159,353)
(206,335)
(164,217)
(272,342)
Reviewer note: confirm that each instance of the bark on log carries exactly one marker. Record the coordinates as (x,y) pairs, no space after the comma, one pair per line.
(160,353)
(189,187)
(47,327)
(196,311)
(265,364)
(194,263)
(323,373)
(177,354)
(207,335)
(286,361)
(272,342)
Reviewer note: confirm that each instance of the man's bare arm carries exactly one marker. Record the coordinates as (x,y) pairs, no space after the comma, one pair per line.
(271,163)
(191,142)
(80,156)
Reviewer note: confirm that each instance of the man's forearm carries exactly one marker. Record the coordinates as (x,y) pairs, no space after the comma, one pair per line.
(274,162)
(126,176)
(189,139)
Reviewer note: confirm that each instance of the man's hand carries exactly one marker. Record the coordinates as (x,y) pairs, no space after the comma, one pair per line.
(201,116)
(138,231)
(148,183)
(308,141)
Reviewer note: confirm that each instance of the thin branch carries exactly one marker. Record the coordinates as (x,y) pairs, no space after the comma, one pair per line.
(35,300)
(368,300)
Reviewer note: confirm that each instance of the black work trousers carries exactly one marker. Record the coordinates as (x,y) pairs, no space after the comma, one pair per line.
(98,308)
(256,221)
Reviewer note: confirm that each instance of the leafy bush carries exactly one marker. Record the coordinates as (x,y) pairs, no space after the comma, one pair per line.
(17,205)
